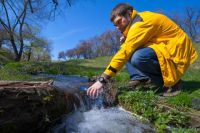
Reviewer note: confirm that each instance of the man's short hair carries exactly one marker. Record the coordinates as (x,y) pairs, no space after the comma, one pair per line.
(120,10)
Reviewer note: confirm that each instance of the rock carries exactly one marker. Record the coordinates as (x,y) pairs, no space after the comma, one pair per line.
(32,106)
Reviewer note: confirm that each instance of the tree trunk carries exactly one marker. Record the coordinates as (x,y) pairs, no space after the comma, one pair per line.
(1,43)
(12,40)
(29,54)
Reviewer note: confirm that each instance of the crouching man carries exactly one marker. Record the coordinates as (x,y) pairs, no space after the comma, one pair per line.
(155,49)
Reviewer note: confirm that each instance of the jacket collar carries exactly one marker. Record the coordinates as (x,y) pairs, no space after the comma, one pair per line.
(134,13)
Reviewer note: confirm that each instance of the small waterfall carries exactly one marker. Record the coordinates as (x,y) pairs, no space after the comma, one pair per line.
(83,106)
(88,103)
(94,115)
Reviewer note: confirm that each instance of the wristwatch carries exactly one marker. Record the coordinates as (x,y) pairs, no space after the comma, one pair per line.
(102,80)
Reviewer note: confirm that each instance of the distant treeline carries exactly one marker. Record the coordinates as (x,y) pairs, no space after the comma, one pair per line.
(104,45)
(108,43)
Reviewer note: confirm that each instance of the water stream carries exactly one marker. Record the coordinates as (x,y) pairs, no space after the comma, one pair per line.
(92,116)
(110,120)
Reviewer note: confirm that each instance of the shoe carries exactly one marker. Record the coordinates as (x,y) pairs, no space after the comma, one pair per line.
(135,83)
(173,90)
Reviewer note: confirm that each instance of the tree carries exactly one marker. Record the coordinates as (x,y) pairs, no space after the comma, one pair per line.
(33,41)
(191,26)
(85,49)
(15,14)
(40,50)
(70,53)
(62,55)
(189,22)
(110,41)
(106,44)
(12,26)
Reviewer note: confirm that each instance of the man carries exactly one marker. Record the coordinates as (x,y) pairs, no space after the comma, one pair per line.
(154,49)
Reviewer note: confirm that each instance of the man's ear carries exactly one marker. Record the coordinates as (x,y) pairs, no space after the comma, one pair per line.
(129,12)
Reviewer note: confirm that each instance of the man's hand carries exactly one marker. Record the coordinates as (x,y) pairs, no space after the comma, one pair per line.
(95,89)
(122,39)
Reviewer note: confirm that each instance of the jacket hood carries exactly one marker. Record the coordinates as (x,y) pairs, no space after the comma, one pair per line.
(134,13)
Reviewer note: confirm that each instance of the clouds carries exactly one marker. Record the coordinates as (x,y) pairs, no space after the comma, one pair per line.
(69,33)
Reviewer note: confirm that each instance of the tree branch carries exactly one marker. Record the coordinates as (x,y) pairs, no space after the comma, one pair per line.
(55,2)
(4,25)
(21,28)
(6,11)
(30,4)
(68,1)
(17,17)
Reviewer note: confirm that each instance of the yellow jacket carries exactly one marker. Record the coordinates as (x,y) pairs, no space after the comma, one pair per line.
(172,46)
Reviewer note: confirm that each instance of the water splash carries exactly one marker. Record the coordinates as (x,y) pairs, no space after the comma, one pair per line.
(89,102)
(112,120)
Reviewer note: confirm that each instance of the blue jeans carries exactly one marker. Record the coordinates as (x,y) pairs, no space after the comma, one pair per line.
(143,64)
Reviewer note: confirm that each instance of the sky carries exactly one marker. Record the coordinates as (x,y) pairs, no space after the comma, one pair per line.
(89,18)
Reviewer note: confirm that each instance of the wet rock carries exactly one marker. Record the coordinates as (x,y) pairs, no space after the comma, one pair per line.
(32,106)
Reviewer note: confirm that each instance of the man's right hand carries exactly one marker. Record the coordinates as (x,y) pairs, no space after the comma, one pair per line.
(95,89)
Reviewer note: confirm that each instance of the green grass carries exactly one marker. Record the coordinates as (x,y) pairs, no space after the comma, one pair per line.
(100,62)
(182,100)
(23,70)
(184,130)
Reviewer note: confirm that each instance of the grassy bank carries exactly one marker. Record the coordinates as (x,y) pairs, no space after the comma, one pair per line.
(174,112)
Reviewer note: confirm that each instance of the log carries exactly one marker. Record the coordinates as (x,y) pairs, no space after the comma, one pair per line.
(25,84)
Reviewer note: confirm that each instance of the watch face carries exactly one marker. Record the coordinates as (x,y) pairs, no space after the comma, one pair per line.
(101,79)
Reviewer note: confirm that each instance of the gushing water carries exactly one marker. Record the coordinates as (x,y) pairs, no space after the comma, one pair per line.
(92,116)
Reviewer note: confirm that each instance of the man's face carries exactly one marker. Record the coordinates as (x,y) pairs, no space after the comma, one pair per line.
(121,22)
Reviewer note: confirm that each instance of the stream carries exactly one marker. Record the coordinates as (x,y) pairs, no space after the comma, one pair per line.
(92,116)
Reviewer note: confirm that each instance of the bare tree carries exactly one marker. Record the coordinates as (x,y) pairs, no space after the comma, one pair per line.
(191,23)
(112,39)
(62,55)
(178,20)
(70,53)
(12,26)
(14,14)
(85,49)
(106,44)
